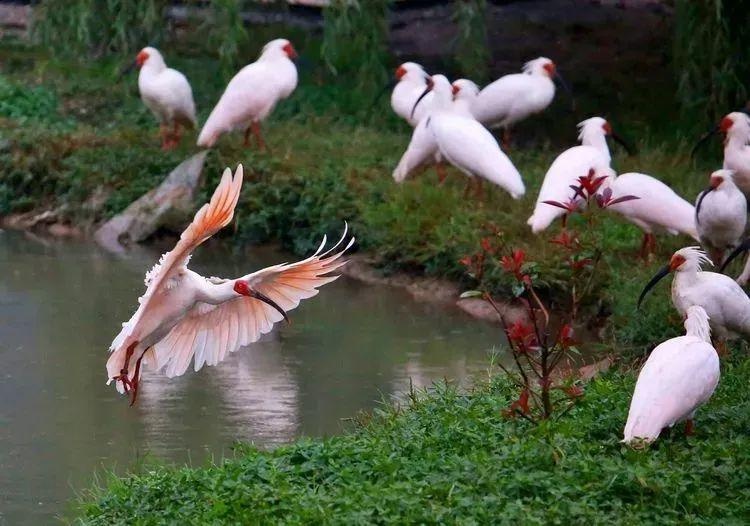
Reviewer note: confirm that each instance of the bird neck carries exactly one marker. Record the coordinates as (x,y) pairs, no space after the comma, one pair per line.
(216,293)
(698,327)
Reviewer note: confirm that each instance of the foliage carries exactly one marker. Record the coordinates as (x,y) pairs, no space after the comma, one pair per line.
(74,27)
(472,52)
(449,457)
(354,43)
(227,33)
(544,392)
(711,40)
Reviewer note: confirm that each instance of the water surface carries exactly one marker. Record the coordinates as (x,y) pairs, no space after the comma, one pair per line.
(61,303)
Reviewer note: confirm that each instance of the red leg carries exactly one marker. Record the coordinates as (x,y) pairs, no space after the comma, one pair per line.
(469,182)
(136,378)
(480,189)
(651,244)
(258,135)
(689,427)
(441,173)
(164,134)
(123,376)
(643,252)
(506,138)
(246,142)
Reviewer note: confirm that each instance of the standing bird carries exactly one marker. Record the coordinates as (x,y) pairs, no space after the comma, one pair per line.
(513,98)
(658,207)
(184,315)
(252,94)
(166,92)
(411,80)
(727,305)
(679,376)
(465,143)
(423,148)
(720,215)
(593,153)
(736,129)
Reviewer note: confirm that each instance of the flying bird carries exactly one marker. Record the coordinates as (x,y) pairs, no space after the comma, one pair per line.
(465,143)
(252,94)
(679,376)
(167,93)
(184,316)
(513,98)
(720,215)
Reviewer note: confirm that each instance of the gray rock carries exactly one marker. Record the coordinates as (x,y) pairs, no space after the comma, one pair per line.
(170,205)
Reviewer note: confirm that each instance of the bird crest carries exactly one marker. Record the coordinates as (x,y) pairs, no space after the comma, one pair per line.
(696,323)
(694,257)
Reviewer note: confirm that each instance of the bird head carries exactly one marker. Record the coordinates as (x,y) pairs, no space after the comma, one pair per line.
(243,288)
(736,122)
(596,126)
(279,48)
(464,89)
(716,179)
(410,71)
(685,259)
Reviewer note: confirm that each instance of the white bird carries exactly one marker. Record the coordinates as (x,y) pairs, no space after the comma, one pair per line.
(167,93)
(593,153)
(465,143)
(184,316)
(423,148)
(720,215)
(411,83)
(658,207)
(727,305)
(513,98)
(252,94)
(679,376)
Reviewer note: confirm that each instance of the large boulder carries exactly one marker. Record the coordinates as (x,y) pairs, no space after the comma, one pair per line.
(170,205)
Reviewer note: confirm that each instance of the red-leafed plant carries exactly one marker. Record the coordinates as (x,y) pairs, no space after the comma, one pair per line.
(540,341)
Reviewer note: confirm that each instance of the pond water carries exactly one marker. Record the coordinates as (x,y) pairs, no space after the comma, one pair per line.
(61,303)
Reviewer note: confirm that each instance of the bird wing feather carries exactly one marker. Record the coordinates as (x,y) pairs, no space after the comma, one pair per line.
(679,375)
(208,333)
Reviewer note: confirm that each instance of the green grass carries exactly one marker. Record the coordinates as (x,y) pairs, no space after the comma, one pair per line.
(448,457)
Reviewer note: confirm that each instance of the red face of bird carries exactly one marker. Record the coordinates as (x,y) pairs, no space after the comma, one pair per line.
(400,72)
(141,58)
(725,124)
(676,261)
(550,69)
(243,288)
(455,89)
(716,180)
(607,127)
(290,51)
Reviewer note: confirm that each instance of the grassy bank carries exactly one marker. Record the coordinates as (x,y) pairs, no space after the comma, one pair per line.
(72,129)
(449,457)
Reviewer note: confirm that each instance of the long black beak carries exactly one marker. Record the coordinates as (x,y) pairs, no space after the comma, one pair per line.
(423,95)
(388,87)
(650,285)
(710,133)
(265,299)
(623,143)
(125,70)
(700,200)
(743,247)
(566,88)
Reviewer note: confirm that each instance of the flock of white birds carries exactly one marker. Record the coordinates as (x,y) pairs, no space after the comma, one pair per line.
(186,317)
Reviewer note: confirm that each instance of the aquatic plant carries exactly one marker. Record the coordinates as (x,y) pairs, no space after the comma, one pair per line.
(536,347)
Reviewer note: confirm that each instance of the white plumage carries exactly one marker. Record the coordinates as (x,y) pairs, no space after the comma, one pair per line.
(167,93)
(466,144)
(183,316)
(658,207)
(679,376)
(513,98)
(722,216)
(412,81)
(575,162)
(736,126)
(252,94)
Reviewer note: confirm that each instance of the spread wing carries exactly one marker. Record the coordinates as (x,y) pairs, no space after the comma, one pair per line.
(211,218)
(210,332)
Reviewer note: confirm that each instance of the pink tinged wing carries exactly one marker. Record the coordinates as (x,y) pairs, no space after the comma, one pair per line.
(209,333)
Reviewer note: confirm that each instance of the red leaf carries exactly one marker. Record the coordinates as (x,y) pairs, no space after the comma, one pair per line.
(622,199)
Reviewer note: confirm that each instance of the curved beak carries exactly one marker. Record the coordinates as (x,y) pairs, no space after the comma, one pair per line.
(423,95)
(743,247)
(703,195)
(623,143)
(710,133)
(388,87)
(265,299)
(652,283)
(127,68)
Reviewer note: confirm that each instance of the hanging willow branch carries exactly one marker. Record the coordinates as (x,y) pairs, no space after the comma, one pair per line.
(471,50)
